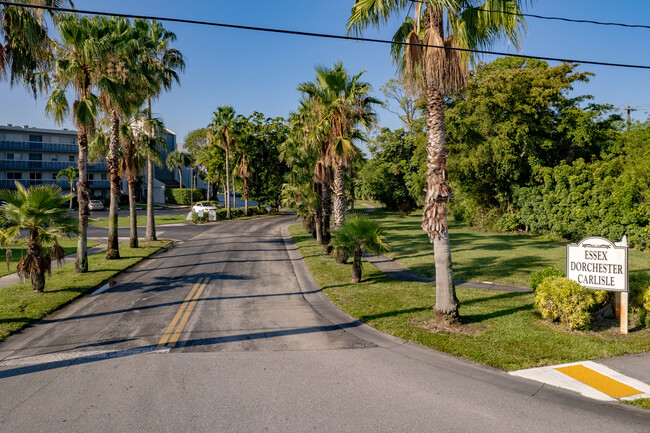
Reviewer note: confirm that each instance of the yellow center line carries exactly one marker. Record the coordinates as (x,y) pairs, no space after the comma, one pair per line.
(186,316)
(170,328)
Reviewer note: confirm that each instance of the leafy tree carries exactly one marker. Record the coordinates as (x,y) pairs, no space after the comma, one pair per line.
(197,139)
(358,234)
(70,173)
(439,73)
(408,104)
(515,117)
(38,210)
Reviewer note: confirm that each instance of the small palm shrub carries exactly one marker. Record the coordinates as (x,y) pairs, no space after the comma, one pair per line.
(356,235)
(537,277)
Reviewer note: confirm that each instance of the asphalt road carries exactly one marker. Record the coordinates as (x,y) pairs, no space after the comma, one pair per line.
(225,333)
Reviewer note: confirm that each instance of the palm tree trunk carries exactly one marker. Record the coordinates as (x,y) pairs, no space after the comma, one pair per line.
(227,190)
(318,216)
(83,195)
(133,218)
(71,192)
(246,189)
(434,217)
(180,177)
(339,194)
(150,234)
(326,205)
(35,250)
(113,250)
(356,266)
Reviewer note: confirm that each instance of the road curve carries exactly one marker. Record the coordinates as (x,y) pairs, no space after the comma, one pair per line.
(226,332)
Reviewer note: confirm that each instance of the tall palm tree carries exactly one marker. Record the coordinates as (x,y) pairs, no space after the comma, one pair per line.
(70,173)
(347,106)
(224,130)
(437,73)
(25,48)
(177,160)
(77,67)
(159,63)
(244,172)
(38,210)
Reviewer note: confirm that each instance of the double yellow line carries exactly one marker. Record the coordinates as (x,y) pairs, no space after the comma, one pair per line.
(187,306)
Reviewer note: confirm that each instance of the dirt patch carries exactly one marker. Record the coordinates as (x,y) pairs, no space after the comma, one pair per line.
(432,325)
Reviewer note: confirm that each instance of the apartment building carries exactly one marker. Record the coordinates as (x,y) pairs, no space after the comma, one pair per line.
(34,156)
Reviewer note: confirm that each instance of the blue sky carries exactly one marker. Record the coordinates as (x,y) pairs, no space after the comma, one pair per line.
(255,71)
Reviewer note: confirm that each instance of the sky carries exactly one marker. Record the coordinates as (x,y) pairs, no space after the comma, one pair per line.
(255,71)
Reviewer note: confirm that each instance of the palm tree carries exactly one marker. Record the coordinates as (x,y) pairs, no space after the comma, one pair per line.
(358,234)
(25,48)
(177,159)
(70,173)
(78,67)
(159,63)
(244,173)
(440,72)
(224,129)
(37,210)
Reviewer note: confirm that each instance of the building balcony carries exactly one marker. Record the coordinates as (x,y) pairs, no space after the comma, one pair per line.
(43,147)
(94,184)
(7,164)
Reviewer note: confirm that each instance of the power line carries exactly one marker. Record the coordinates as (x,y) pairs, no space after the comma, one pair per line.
(569,20)
(318,35)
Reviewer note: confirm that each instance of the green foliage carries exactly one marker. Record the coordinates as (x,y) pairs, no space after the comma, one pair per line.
(558,298)
(536,278)
(508,222)
(184,195)
(360,233)
(516,117)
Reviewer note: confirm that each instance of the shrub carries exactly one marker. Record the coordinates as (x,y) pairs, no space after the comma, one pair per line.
(196,219)
(558,298)
(639,296)
(340,255)
(537,277)
(184,195)
(646,307)
(508,222)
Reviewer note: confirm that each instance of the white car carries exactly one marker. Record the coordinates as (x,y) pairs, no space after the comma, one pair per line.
(203,206)
(95,205)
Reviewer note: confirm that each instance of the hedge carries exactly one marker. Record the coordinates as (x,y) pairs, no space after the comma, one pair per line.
(184,195)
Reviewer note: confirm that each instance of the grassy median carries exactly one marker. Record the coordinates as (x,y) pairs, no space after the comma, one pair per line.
(20,305)
(499,329)
(142,221)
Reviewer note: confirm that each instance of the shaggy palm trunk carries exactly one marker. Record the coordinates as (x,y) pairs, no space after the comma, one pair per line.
(356,266)
(326,198)
(113,249)
(180,177)
(227,182)
(150,234)
(71,192)
(318,216)
(35,250)
(339,194)
(246,189)
(434,217)
(133,218)
(83,196)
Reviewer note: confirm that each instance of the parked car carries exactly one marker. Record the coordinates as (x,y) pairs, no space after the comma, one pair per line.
(203,206)
(95,205)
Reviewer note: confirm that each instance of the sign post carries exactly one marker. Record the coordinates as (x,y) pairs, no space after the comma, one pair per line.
(599,264)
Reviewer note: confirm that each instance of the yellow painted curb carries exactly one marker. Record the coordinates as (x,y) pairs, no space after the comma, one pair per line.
(598,381)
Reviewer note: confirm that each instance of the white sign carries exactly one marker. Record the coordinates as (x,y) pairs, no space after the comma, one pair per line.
(597,263)
(200,213)
(212,215)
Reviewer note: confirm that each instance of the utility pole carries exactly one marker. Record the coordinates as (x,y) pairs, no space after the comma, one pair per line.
(629,109)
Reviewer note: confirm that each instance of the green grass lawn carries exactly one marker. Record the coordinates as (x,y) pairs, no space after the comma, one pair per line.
(478,255)
(643,403)
(20,305)
(69,245)
(142,221)
(499,329)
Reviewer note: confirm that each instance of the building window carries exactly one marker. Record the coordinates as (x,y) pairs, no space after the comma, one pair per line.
(14,176)
(104,176)
(71,158)
(10,156)
(35,156)
(35,176)
(35,138)
(53,176)
(55,158)
(91,176)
